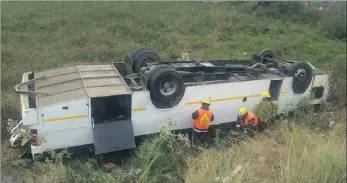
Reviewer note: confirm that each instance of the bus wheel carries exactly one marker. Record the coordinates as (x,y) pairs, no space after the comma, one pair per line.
(302,76)
(267,53)
(144,57)
(155,68)
(134,53)
(166,84)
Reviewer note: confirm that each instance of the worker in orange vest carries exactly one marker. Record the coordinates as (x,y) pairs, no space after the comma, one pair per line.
(202,119)
(247,120)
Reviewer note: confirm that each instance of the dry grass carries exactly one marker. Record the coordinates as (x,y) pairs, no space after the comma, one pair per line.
(288,154)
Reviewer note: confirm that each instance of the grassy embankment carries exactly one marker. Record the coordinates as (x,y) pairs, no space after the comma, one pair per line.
(38,35)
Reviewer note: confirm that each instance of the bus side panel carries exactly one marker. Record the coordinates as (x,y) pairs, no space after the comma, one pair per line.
(288,100)
(285,96)
(146,118)
(67,138)
(326,87)
(64,125)
(66,116)
(320,82)
(226,99)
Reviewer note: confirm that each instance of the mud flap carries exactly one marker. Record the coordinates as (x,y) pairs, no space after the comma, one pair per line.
(113,136)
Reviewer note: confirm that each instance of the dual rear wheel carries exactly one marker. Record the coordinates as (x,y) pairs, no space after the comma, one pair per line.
(164,82)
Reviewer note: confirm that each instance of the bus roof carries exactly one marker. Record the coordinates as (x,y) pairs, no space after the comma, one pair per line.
(73,82)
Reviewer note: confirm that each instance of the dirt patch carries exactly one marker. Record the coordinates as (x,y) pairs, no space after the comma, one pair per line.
(214,36)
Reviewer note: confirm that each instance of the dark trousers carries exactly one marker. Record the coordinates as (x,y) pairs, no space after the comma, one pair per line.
(199,138)
(262,126)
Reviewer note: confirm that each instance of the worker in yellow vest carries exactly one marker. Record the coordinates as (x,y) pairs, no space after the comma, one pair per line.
(202,119)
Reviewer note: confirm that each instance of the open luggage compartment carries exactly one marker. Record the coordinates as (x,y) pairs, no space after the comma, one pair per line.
(112,130)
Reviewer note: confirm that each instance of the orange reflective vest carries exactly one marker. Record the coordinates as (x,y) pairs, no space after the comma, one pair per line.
(203,120)
(250,116)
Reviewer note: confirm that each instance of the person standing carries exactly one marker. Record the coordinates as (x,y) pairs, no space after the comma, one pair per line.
(202,119)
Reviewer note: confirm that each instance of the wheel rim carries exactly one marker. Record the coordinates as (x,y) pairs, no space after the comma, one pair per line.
(300,75)
(168,86)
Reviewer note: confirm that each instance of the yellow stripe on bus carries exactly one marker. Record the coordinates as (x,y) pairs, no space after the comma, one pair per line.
(139,109)
(232,98)
(65,118)
(316,86)
(224,99)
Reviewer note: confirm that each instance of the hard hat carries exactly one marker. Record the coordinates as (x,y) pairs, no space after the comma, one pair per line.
(265,94)
(206,101)
(243,111)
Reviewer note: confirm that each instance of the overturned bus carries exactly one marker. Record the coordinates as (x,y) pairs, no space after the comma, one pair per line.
(103,107)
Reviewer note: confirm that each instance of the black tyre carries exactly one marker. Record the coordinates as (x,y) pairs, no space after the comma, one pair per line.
(144,58)
(133,54)
(267,53)
(155,68)
(302,76)
(166,84)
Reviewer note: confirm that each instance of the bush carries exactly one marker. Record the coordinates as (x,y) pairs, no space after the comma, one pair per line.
(265,110)
(333,22)
(338,84)
(284,10)
(162,158)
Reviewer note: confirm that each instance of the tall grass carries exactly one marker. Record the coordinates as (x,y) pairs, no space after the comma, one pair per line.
(289,154)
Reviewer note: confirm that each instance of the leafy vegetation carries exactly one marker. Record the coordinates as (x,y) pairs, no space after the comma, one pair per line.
(38,35)
(334,21)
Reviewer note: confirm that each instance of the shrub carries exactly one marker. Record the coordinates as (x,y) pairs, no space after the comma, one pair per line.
(265,110)
(162,158)
(338,83)
(333,22)
(284,10)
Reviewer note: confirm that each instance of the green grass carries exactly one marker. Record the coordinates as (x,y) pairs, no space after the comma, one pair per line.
(38,35)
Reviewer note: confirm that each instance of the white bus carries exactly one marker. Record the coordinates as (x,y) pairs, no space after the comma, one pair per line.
(103,107)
